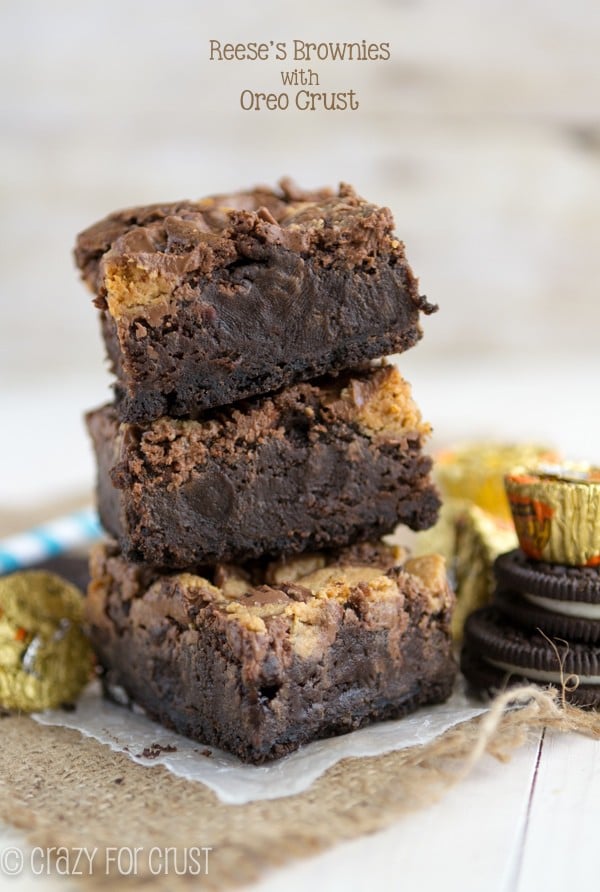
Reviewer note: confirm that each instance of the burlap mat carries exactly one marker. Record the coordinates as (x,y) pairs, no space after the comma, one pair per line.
(63,789)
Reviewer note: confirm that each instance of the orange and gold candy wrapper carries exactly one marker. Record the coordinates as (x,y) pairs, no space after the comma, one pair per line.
(475,471)
(470,539)
(556,512)
(45,659)
(475,524)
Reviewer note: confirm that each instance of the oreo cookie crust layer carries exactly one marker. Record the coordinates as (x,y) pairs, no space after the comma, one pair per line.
(204,303)
(260,661)
(314,466)
(497,654)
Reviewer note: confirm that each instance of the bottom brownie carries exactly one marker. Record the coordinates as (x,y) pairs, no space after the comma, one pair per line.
(262,659)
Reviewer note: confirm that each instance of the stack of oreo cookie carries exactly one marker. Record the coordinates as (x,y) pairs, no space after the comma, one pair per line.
(543,626)
(250,463)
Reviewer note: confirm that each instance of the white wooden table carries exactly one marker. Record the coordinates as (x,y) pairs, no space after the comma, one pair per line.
(522,827)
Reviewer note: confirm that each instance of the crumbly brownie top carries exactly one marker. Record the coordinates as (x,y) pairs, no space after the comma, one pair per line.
(137,257)
(375,401)
(256,598)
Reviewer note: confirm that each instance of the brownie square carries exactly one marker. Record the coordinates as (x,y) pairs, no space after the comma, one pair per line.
(208,302)
(316,465)
(260,659)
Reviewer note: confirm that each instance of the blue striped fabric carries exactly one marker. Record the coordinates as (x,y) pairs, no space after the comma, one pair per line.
(49,540)
(8,562)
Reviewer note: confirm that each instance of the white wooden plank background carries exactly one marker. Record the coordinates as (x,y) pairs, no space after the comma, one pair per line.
(482,134)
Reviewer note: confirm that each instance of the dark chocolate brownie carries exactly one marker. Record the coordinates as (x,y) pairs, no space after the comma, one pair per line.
(316,465)
(205,303)
(257,665)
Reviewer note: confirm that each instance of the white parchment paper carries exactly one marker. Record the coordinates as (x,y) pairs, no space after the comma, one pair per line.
(233,782)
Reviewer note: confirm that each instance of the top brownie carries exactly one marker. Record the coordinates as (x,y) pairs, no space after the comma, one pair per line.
(207,302)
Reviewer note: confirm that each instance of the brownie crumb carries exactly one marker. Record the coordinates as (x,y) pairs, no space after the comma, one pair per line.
(68,707)
(155,750)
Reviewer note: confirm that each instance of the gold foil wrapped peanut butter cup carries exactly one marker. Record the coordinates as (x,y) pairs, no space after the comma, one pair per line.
(475,471)
(45,659)
(556,512)
(470,539)
(475,524)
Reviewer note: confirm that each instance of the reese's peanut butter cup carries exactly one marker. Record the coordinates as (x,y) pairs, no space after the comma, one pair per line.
(475,471)
(45,659)
(556,512)
(470,539)
(496,653)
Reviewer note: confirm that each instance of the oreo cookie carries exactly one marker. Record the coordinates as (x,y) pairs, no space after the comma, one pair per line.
(516,572)
(496,653)
(560,600)
(555,618)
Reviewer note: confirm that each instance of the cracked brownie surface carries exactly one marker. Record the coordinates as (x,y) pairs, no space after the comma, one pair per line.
(204,303)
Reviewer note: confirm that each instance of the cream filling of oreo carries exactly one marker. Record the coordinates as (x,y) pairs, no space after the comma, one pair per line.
(578,609)
(542,674)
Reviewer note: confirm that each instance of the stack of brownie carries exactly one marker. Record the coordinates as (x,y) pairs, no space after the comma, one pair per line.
(252,460)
